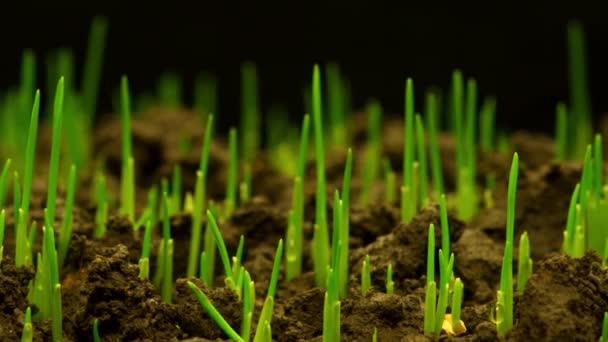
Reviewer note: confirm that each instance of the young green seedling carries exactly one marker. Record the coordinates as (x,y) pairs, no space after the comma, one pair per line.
(101,214)
(457,325)
(580,123)
(320,237)
(230,201)
(389,182)
(230,279)
(524,269)
(390,285)
(55,149)
(435,156)
(127,190)
(293,250)
(66,226)
(176,190)
(336,105)
(167,270)
(561,132)
(199,207)
(430,293)
(96,337)
(215,315)
(262,333)
(344,235)
(504,307)
(91,75)
(205,95)
(487,131)
(144,260)
(408,195)
(27,335)
(366,278)
(2,221)
(4,181)
(421,154)
(250,112)
(30,157)
(373,149)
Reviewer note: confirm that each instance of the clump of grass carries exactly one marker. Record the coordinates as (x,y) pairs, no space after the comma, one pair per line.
(587,214)
(504,306)
(263,331)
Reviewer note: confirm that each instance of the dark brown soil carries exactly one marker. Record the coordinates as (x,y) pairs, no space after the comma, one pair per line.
(564,300)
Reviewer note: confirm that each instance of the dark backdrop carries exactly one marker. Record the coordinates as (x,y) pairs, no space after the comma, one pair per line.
(517,53)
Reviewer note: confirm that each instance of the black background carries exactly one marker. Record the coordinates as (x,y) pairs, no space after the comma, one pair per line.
(516,52)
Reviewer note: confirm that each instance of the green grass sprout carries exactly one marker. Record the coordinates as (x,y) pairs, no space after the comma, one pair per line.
(375,335)
(487,122)
(430,292)
(55,149)
(336,105)
(16,198)
(205,95)
(93,65)
(66,225)
(457,324)
(344,235)
(101,214)
(524,269)
(504,307)
(245,188)
(144,260)
(250,112)
(176,190)
(199,208)
(215,315)
(29,157)
(4,181)
(320,236)
(22,242)
(167,270)
(390,285)
(96,337)
(366,278)
(389,182)
(248,306)
(294,249)
(230,280)
(433,128)
(27,335)
(561,132)
(127,185)
(230,201)
(408,195)
(580,124)
(421,154)
(262,335)
(373,149)
(2,225)
(170,90)
(445,229)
